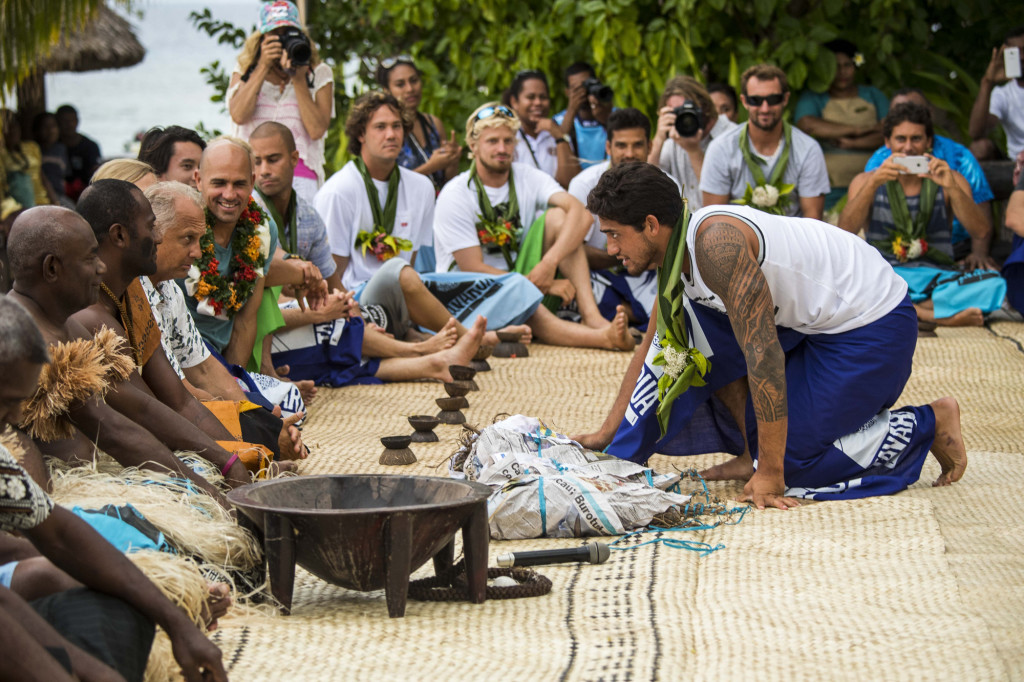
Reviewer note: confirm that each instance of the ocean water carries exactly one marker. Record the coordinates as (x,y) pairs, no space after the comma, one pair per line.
(164,88)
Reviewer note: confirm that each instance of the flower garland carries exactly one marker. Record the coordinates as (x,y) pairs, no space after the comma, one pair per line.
(907,240)
(772,195)
(498,227)
(227,294)
(380,241)
(500,236)
(383,245)
(685,366)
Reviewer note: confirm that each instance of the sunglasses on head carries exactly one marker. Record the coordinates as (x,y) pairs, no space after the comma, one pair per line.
(488,112)
(773,100)
(391,62)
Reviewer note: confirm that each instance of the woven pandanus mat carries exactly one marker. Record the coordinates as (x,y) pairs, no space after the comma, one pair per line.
(921,585)
(860,589)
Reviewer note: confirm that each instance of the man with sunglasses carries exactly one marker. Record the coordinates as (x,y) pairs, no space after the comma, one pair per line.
(754,162)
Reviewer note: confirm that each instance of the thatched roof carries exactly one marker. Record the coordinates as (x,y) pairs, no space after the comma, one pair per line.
(106,42)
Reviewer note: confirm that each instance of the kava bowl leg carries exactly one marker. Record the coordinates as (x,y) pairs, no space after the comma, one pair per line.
(397,560)
(279,547)
(476,536)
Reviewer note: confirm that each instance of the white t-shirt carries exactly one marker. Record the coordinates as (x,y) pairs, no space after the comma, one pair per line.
(580,187)
(823,280)
(1007,104)
(345,209)
(725,172)
(545,151)
(458,211)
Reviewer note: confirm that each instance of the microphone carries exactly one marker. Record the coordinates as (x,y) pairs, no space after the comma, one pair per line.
(593,553)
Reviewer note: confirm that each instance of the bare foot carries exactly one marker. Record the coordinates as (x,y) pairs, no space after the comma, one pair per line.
(617,334)
(526,334)
(948,446)
(972,317)
(289,441)
(307,389)
(736,469)
(216,605)
(444,338)
(459,354)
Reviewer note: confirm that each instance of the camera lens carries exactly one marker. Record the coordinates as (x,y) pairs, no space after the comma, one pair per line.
(689,119)
(296,46)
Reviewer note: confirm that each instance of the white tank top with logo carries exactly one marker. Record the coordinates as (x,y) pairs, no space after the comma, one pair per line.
(823,280)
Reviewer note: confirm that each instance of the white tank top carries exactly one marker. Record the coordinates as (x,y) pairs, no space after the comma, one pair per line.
(823,280)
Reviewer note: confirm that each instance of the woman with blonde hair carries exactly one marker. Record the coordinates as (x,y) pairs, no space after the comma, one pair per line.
(139,173)
(279,77)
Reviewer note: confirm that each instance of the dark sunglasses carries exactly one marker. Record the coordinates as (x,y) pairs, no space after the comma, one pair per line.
(488,112)
(773,100)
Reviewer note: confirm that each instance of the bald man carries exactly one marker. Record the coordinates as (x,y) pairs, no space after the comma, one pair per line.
(225,299)
(57,272)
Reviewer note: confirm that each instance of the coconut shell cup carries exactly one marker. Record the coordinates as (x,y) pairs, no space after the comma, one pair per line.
(463,375)
(479,362)
(424,425)
(450,413)
(397,452)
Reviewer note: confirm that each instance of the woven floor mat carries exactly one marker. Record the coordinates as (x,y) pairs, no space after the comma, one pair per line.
(925,584)
(986,375)
(792,594)
(982,521)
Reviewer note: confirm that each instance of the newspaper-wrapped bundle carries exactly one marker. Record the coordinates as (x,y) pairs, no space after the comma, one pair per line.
(547,485)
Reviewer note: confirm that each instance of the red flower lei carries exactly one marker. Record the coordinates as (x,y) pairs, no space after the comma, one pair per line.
(228,294)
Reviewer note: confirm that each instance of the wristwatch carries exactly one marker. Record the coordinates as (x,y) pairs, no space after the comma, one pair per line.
(563,138)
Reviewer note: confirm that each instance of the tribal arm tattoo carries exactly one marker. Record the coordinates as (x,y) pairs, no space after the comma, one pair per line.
(727,265)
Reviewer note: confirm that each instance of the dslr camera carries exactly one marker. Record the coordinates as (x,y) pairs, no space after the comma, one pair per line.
(689,119)
(296,45)
(599,90)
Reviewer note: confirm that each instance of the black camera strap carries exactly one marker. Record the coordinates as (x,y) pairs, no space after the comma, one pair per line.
(526,139)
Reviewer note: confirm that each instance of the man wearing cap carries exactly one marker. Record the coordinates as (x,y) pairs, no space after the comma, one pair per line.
(267,85)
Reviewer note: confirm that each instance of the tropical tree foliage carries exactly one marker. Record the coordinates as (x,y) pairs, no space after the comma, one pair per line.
(30,30)
(470,49)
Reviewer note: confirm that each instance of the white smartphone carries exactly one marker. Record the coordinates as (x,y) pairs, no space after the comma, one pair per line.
(1011,62)
(915,165)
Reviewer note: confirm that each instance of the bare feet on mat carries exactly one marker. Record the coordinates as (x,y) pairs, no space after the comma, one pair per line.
(739,468)
(491,338)
(972,317)
(443,339)
(617,332)
(948,446)
(461,353)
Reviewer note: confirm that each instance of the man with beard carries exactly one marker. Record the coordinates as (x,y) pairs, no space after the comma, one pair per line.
(57,271)
(122,220)
(780,338)
(500,217)
(754,162)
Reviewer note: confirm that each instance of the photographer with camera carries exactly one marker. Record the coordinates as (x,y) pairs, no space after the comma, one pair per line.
(584,120)
(279,77)
(687,117)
